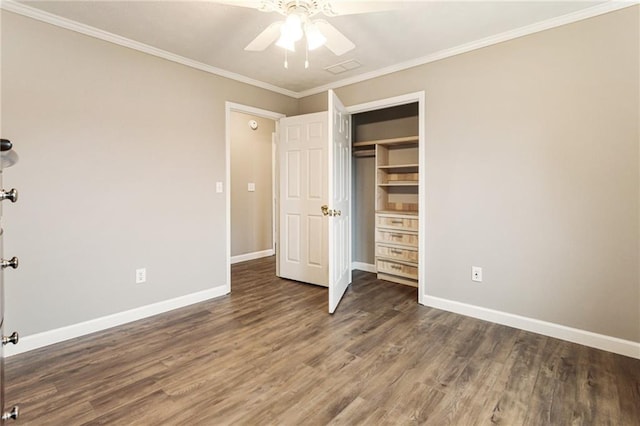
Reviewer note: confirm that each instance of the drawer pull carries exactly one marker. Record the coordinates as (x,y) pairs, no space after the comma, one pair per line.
(395,251)
(396,222)
(396,267)
(396,235)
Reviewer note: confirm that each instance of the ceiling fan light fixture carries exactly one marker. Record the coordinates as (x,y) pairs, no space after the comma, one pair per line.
(292,28)
(315,38)
(286,43)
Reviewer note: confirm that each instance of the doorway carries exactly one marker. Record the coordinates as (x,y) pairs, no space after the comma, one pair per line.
(251,186)
(250,177)
(409,100)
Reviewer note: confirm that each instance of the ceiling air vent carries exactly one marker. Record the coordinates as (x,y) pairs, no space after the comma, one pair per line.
(343,66)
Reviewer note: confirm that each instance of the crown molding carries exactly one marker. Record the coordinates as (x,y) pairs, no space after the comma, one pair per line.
(49,18)
(580,15)
(601,9)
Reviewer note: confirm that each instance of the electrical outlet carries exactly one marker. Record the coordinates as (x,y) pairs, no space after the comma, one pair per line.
(219,187)
(476,274)
(141,275)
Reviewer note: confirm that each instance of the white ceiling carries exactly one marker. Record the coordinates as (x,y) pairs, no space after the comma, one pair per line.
(214,35)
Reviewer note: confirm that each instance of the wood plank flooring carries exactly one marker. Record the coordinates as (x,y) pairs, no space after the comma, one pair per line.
(270,354)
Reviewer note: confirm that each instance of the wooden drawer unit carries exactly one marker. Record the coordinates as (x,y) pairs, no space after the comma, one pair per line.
(407,223)
(409,239)
(396,268)
(397,247)
(396,253)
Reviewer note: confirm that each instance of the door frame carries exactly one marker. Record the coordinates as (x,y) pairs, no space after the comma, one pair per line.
(409,98)
(246,109)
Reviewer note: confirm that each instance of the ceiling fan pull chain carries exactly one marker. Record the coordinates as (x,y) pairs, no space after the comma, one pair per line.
(286,63)
(306,56)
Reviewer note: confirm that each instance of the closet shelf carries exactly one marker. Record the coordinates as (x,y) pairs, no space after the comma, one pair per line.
(402,212)
(392,141)
(399,167)
(399,183)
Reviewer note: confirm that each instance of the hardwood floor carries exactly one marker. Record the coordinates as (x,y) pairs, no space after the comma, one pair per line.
(270,354)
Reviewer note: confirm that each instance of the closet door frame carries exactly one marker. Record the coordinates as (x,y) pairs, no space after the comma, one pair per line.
(409,98)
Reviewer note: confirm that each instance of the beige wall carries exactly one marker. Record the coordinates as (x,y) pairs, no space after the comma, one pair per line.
(315,103)
(251,162)
(120,152)
(532,171)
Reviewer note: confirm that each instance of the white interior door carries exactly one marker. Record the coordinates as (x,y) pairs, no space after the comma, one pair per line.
(339,130)
(304,188)
(315,199)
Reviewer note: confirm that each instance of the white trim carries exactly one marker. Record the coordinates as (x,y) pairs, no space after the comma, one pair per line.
(90,31)
(40,15)
(57,335)
(227,197)
(575,335)
(229,107)
(254,111)
(251,256)
(274,199)
(408,98)
(361,266)
(422,199)
(570,18)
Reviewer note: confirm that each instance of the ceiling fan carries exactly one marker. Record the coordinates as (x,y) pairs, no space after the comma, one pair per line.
(298,24)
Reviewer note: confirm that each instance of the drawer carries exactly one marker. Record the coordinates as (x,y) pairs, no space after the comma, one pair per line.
(393,268)
(397,222)
(396,237)
(405,254)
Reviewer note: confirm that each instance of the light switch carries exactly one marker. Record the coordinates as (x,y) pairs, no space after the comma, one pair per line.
(218,187)
(251,187)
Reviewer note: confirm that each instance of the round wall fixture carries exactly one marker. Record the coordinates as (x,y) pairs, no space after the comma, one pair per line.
(253,124)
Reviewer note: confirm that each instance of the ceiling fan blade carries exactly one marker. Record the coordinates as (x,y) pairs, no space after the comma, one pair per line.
(353,7)
(254,4)
(336,41)
(265,38)
(262,5)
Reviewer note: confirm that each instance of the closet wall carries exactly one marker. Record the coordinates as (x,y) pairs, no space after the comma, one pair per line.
(385,123)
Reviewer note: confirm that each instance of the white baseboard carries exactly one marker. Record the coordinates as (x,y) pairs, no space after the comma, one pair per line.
(367,267)
(575,335)
(57,335)
(251,256)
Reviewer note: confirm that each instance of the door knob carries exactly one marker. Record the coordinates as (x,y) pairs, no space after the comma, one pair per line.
(326,211)
(13,262)
(11,415)
(11,339)
(10,195)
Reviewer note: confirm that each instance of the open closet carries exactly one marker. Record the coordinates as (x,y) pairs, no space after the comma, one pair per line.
(385,192)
